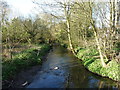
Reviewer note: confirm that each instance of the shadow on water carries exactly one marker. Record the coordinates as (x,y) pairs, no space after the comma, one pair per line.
(70,73)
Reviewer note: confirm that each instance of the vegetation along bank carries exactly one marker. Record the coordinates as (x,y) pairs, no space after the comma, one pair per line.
(91,60)
(92,26)
(23,60)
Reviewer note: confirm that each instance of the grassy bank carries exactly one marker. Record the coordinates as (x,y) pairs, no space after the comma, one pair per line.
(91,61)
(23,60)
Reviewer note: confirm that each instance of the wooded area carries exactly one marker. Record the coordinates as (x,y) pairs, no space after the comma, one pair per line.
(77,25)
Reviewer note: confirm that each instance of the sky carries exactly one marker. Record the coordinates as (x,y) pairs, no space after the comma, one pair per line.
(26,7)
(21,7)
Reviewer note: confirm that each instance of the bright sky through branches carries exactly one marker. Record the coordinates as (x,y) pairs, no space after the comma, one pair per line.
(27,7)
(24,7)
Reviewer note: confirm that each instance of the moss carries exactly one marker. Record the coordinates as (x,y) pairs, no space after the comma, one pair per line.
(94,65)
(23,60)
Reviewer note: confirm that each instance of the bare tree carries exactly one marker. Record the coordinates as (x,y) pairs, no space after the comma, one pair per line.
(65,7)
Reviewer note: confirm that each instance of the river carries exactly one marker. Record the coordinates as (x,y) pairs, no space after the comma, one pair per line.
(63,70)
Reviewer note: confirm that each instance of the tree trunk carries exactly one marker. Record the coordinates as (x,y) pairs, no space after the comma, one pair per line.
(69,37)
(96,37)
(112,25)
(98,45)
(67,15)
(100,51)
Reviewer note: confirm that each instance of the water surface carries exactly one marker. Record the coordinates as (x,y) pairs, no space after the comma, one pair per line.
(69,74)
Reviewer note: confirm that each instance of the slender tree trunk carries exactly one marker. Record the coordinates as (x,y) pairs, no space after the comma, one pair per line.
(99,49)
(98,45)
(85,38)
(69,36)
(96,37)
(112,25)
(118,14)
(67,15)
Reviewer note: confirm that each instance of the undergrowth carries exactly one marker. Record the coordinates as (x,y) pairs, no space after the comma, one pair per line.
(90,59)
(23,60)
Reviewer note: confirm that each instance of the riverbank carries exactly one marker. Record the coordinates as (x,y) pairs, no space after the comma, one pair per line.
(69,74)
(22,61)
(91,60)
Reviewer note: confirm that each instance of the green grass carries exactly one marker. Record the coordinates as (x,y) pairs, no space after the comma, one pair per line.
(23,60)
(93,64)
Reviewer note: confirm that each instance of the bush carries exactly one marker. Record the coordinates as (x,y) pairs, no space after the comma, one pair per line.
(23,60)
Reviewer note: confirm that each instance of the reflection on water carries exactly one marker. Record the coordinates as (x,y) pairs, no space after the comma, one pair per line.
(70,74)
(81,78)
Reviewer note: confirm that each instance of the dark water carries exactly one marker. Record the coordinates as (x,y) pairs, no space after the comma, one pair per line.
(70,73)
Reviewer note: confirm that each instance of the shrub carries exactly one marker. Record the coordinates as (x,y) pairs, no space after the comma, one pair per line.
(23,60)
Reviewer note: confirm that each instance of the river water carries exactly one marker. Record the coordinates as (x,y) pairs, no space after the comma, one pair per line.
(63,70)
